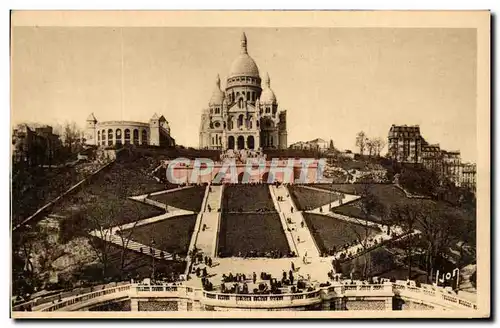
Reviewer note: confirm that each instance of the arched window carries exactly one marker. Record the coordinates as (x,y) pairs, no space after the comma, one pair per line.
(240,120)
(118,136)
(103,137)
(240,103)
(98,136)
(110,137)
(127,136)
(144,136)
(248,96)
(250,124)
(136,137)
(213,141)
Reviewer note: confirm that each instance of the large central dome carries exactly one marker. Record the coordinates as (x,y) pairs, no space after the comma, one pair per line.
(244,65)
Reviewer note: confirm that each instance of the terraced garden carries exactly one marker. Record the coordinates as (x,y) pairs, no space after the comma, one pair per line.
(241,234)
(308,199)
(247,198)
(171,235)
(331,234)
(187,199)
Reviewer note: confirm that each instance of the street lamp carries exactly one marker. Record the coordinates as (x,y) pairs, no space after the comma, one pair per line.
(153,244)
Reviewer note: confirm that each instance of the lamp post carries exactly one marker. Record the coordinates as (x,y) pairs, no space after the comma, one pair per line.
(153,244)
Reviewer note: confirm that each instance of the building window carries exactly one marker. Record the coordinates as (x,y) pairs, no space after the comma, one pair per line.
(211,110)
(110,137)
(136,137)
(248,96)
(118,136)
(127,136)
(144,136)
(98,136)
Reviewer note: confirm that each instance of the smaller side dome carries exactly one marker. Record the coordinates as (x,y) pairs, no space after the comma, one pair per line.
(267,96)
(217,96)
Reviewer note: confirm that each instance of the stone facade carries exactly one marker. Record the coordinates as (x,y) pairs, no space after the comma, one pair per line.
(244,115)
(34,147)
(407,145)
(111,133)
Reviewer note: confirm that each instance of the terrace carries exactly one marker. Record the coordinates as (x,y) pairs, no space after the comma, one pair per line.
(251,235)
(332,234)
(306,199)
(171,235)
(247,198)
(187,199)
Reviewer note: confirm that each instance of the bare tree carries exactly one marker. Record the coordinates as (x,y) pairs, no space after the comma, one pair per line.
(97,218)
(125,234)
(370,145)
(71,135)
(437,235)
(361,141)
(379,145)
(369,205)
(406,217)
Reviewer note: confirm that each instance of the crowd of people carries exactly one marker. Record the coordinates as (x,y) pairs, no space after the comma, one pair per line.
(273,254)
(267,284)
(241,155)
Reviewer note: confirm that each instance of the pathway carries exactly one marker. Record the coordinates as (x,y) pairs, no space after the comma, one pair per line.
(206,240)
(302,237)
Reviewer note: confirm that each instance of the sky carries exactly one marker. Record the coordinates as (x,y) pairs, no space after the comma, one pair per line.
(333,82)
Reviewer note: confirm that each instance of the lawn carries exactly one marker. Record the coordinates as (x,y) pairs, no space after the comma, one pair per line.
(187,199)
(30,191)
(247,232)
(171,235)
(247,198)
(137,265)
(105,199)
(308,199)
(330,233)
(388,195)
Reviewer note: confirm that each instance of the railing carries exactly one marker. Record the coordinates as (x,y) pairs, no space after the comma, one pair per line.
(434,295)
(262,301)
(428,294)
(86,297)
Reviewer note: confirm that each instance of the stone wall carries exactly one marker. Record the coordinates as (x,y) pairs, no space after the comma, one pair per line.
(158,306)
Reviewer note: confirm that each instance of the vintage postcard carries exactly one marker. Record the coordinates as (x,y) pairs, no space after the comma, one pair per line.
(270,164)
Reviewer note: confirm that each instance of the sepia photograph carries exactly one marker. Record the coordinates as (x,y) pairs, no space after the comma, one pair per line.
(250,164)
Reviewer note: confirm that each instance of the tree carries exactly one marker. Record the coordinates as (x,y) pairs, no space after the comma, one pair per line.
(96,223)
(369,205)
(406,217)
(378,145)
(437,231)
(125,233)
(71,136)
(361,139)
(370,147)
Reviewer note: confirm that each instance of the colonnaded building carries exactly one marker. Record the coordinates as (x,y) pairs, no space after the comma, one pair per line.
(156,132)
(245,115)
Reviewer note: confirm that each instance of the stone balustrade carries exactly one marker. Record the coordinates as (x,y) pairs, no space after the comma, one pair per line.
(426,294)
